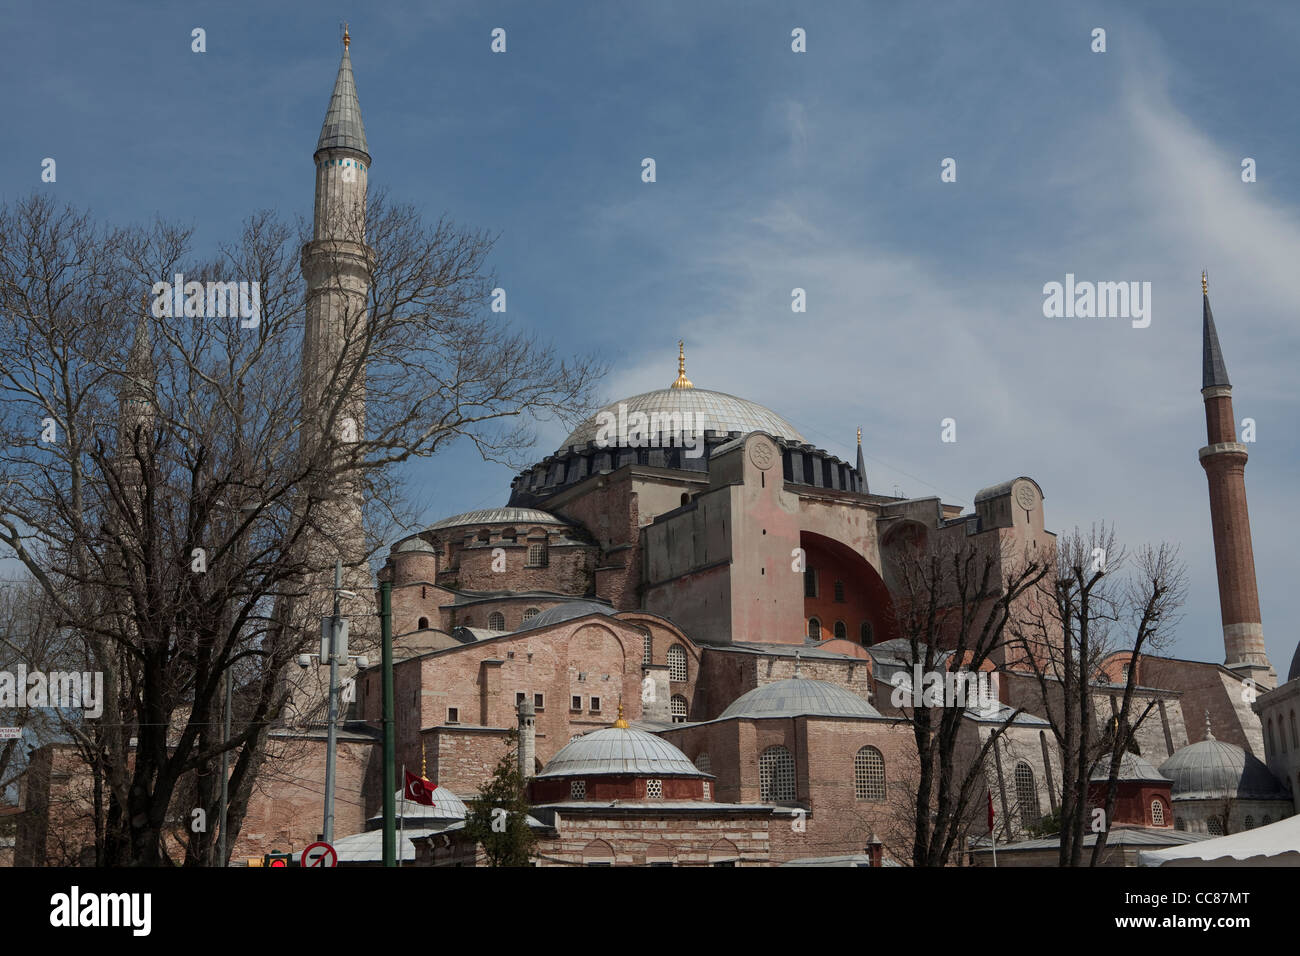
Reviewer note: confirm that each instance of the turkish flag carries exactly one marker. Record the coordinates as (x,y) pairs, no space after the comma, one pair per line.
(990,809)
(419,790)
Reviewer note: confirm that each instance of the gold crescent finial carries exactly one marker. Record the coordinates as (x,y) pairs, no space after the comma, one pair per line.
(423,767)
(621,724)
(859,436)
(346,38)
(1205,283)
(682,380)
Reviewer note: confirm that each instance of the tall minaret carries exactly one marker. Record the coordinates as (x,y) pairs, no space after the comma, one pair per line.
(1224,461)
(337,266)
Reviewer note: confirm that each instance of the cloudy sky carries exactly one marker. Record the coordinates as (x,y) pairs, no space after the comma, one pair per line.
(776,170)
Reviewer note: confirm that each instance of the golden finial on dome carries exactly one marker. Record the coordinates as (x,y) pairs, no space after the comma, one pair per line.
(423,766)
(682,380)
(346,39)
(621,724)
(859,436)
(1205,283)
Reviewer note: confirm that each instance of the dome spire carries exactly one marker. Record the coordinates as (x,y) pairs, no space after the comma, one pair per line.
(1208,733)
(621,724)
(682,380)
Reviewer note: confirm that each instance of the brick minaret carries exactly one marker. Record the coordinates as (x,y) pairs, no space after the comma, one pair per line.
(1224,461)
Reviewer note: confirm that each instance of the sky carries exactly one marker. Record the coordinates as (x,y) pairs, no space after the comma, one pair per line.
(778,170)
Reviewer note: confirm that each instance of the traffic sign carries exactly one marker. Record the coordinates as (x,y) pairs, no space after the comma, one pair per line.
(320,854)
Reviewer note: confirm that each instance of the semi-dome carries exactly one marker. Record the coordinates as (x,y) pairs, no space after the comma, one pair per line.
(620,751)
(565,612)
(1131,768)
(708,410)
(497,516)
(414,544)
(1212,769)
(799,697)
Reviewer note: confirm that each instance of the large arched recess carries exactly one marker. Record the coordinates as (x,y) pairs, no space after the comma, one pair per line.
(866,599)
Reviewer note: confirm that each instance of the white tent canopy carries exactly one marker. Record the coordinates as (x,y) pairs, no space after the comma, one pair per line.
(1277,844)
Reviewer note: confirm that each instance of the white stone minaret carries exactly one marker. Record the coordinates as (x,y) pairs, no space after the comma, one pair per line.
(337,266)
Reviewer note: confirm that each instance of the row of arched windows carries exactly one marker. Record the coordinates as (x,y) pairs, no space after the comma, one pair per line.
(776,776)
(496,620)
(1281,727)
(840,630)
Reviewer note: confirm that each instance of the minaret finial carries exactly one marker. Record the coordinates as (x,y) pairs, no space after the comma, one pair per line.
(798,670)
(347,39)
(1208,733)
(1205,283)
(424,769)
(859,436)
(621,724)
(682,380)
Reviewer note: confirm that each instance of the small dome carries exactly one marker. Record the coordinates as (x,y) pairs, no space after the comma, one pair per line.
(520,516)
(565,612)
(799,697)
(1131,767)
(1215,768)
(446,806)
(620,750)
(415,544)
(710,411)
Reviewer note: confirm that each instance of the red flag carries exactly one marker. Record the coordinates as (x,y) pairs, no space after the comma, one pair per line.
(419,790)
(990,809)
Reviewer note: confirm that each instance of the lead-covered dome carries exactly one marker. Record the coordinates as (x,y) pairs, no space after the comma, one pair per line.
(520,516)
(799,697)
(1212,769)
(708,411)
(620,751)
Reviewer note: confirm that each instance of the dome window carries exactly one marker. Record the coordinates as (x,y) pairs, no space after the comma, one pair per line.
(1157,813)
(530,613)
(578,788)
(497,621)
(679,709)
(654,789)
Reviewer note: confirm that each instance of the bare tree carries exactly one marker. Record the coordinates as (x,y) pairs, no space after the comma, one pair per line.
(1086,614)
(168,479)
(953,601)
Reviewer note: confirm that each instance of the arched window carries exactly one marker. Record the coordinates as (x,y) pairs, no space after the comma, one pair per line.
(598,853)
(484,535)
(867,634)
(1214,826)
(775,775)
(869,774)
(839,592)
(704,763)
(1157,813)
(422,624)
(685,498)
(496,621)
(1027,794)
(647,645)
(1295,739)
(1272,746)
(679,709)
(508,535)
(530,613)
(677,663)
(814,629)
(1179,824)
(537,556)
(1249,822)
(841,630)
(1266,821)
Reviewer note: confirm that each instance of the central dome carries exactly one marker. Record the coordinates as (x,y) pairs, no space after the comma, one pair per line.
(708,411)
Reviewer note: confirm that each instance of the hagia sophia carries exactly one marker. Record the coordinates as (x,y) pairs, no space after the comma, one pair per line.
(697,643)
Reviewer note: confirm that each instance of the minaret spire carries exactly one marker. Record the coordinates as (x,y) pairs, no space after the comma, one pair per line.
(1224,461)
(682,380)
(862,466)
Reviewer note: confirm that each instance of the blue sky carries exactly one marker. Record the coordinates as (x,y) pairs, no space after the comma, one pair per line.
(775,170)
